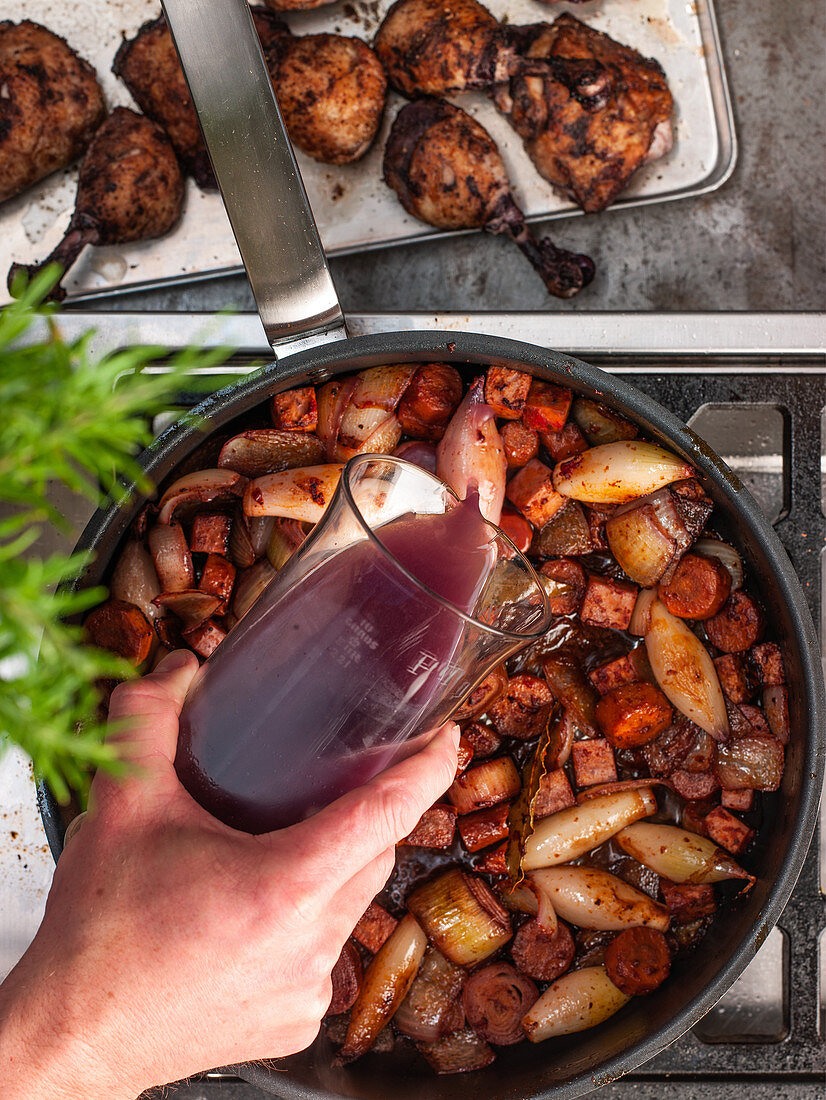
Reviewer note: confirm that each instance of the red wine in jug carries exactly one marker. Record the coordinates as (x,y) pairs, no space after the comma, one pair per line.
(325,679)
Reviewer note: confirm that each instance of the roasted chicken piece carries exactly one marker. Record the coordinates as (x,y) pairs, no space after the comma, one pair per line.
(594,117)
(130,189)
(149,67)
(430,47)
(447,171)
(331,91)
(50,105)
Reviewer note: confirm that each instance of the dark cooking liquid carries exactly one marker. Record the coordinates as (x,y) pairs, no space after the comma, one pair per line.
(315,690)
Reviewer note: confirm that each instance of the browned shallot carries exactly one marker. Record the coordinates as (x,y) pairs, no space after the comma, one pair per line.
(614,473)
(683,668)
(134,579)
(576,1001)
(200,487)
(386,983)
(302,493)
(571,833)
(590,898)
(677,854)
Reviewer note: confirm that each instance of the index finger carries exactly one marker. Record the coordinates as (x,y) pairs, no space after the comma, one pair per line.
(348,834)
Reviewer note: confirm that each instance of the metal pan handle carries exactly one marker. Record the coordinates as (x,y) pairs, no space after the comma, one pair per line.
(256,170)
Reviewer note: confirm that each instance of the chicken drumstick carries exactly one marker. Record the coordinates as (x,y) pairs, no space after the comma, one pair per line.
(447,171)
(130,188)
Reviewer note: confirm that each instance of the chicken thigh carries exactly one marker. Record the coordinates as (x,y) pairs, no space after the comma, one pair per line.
(130,188)
(447,171)
(149,67)
(331,91)
(592,118)
(50,105)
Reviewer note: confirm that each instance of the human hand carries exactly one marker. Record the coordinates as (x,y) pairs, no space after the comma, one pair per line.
(172,943)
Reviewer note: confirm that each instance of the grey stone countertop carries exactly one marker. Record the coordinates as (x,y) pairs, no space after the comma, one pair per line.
(755,244)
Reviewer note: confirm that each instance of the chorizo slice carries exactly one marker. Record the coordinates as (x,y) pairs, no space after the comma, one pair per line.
(521,444)
(540,955)
(429,401)
(566,595)
(346,978)
(698,588)
(638,961)
(738,626)
(522,712)
(495,999)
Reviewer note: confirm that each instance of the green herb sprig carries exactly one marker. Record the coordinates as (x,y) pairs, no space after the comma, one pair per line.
(72,419)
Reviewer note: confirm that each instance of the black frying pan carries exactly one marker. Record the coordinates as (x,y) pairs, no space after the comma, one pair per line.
(315,349)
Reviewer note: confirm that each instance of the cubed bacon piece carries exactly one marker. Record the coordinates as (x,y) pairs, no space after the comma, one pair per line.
(429,401)
(121,628)
(593,762)
(554,793)
(532,491)
(374,927)
(435,828)
(218,577)
(776,704)
(490,782)
(686,901)
(565,596)
(210,533)
(205,637)
(295,410)
(506,391)
(630,668)
(547,407)
(464,755)
(737,800)
(694,785)
(633,714)
(484,827)
(483,740)
(768,663)
(565,443)
(736,678)
(608,602)
(494,861)
(520,444)
(523,710)
(728,831)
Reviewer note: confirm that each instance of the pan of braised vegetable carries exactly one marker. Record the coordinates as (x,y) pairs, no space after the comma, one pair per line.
(636,790)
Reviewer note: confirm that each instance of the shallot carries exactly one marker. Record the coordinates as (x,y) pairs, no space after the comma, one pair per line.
(617,472)
(576,1001)
(471,453)
(683,668)
(135,581)
(571,833)
(302,493)
(677,854)
(591,898)
(199,487)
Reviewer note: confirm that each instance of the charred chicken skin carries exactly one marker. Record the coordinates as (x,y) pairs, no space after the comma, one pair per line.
(447,171)
(594,117)
(430,47)
(130,189)
(149,67)
(50,105)
(331,91)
